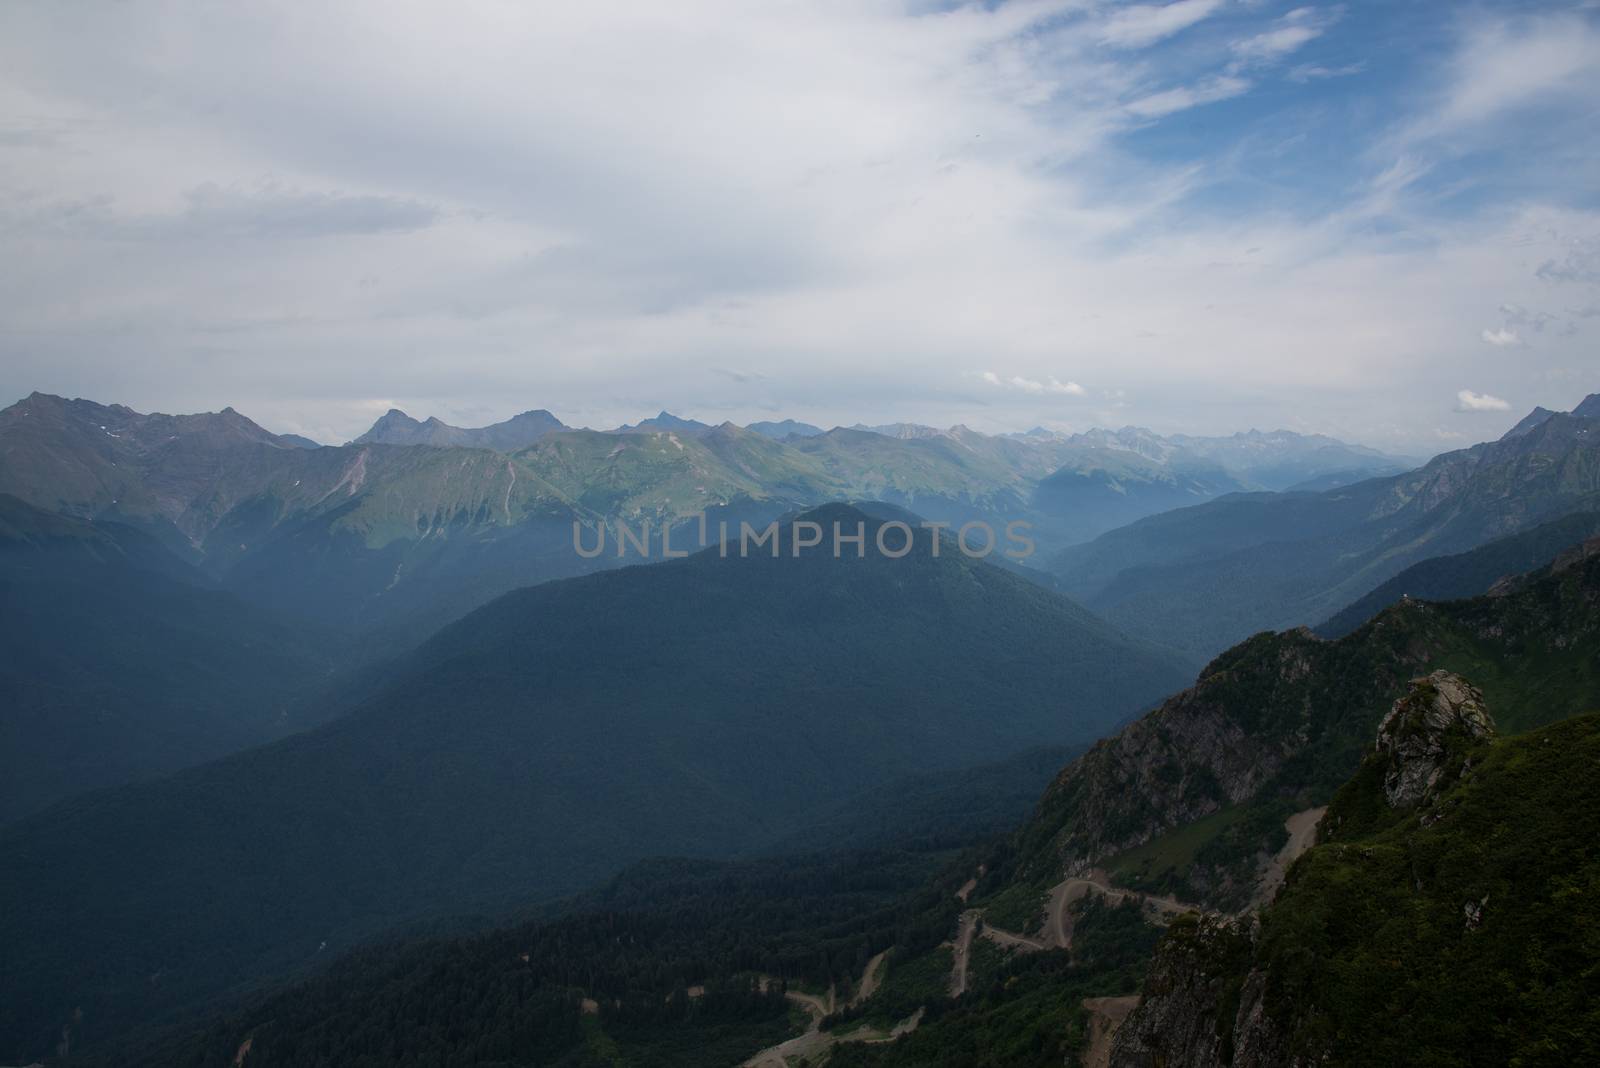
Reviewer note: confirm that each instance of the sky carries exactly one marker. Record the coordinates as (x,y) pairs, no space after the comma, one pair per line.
(1378,220)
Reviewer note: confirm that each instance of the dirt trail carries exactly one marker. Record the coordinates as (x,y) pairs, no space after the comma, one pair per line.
(871,977)
(962,951)
(1007,938)
(1302,828)
(812,1040)
(1105,1016)
(1058,920)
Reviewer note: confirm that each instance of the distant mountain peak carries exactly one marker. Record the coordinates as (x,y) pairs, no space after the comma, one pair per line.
(664,421)
(395,427)
(785,428)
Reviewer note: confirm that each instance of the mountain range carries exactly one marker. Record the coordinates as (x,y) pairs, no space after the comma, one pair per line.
(416,523)
(1207,576)
(184,588)
(700,706)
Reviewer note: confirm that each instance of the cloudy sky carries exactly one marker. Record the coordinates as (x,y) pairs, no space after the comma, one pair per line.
(1379,220)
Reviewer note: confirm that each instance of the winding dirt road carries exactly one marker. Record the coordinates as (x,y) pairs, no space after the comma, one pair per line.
(814,1040)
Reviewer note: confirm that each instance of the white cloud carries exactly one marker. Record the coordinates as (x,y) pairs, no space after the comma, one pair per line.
(1501,69)
(1468,401)
(1139,25)
(1316,72)
(1049,385)
(1502,337)
(1182,98)
(1291,33)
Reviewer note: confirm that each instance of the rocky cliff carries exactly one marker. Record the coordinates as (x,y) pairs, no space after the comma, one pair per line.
(1446,918)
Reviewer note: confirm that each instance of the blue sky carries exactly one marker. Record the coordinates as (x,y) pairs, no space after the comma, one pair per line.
(1377,220)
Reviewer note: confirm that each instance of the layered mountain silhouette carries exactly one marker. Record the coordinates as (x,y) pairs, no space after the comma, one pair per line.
(1468,574)
(699,706)
(1204,577)
(416,523)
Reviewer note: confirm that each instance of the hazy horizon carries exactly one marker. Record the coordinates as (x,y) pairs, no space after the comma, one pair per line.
(1510,418)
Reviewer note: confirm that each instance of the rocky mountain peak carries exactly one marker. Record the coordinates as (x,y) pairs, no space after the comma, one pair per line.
(1417,734)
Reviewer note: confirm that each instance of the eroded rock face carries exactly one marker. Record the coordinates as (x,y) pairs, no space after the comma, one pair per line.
(1175,1022)
(1417,734)
(1195,1012)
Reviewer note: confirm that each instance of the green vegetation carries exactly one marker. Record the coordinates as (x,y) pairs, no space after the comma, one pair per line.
(1465,931)
(912,981)
(1468,934)
(1278,723)
(1018,907)
(1229,842)
(634,948)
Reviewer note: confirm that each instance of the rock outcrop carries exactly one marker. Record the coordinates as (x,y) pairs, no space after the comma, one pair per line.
(1195,1012)
(1416,738)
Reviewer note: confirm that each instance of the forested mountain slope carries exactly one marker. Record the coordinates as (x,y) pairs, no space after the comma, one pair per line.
(699,706)
(119,661)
